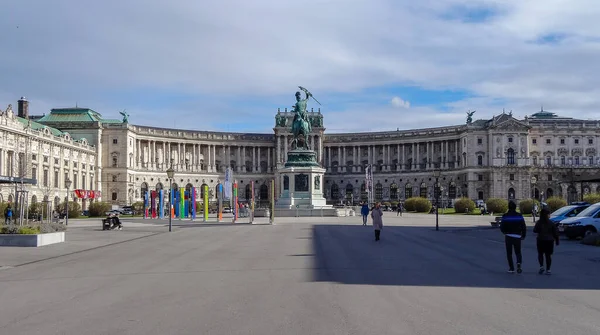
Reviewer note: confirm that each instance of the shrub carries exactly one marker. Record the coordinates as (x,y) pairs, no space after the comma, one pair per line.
(464,205)
(10,229)
(526,205)
(387,203)
(409,204)
(497,205)
(25,230)
(555,203)
(74,209)
(97,209)
(422,205)
(394,204)
(45,228)
(592,198)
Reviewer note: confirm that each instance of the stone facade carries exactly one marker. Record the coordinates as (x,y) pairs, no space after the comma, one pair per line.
(482,159)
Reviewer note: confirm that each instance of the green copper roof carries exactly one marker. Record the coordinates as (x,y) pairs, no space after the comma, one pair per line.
(38,126)
(75,114)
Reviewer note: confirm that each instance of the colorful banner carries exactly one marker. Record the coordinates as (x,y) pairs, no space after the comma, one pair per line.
(146,196)
(205,199)
(252,202)
(235,201)
(153,204)
(220,196)
(193,203)
(181,202)
(161,204)
(228,186)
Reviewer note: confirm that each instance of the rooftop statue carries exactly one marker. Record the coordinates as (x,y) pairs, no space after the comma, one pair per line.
(125,116)
(470,117)
(301,126)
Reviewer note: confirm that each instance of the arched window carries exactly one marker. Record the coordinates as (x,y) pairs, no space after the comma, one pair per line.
(248,192)
(548,161)
(378,192)
(510,156)
(159,186)
(349,191)
(408,190)
(452,191)
(264,192)
(364,196)
(423,190)
(143,189)
(394,191)
(511,193)
(335,191)
(549,193)
(563,160)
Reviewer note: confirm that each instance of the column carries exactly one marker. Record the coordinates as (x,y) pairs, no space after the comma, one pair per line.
(446,154)
(137,153)
(328,158)
(398,158)
(278,157)
(154,154)
(285,148)
(269,169)
(253,159)
(214,157)
(456,143)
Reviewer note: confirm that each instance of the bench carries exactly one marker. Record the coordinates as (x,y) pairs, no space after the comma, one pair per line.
(496,222)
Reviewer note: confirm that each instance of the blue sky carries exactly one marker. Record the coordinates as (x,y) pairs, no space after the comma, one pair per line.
(376,65)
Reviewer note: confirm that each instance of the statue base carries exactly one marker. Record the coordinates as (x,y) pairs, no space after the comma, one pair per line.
(301,184)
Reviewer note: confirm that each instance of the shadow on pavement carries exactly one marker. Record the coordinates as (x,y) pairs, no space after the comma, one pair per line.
(421,256)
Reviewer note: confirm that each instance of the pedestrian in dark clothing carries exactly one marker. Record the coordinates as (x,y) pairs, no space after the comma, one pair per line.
(514,229)
(364,211)
(547,236)
(399,209)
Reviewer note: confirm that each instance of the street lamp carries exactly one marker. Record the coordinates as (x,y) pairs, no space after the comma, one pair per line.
(436,193)
(68,184)
(170,174)
(533,181)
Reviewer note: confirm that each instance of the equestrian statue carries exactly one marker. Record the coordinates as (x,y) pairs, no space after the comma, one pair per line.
(301,127)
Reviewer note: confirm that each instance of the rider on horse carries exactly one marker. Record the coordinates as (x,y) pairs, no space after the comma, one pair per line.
(301,123)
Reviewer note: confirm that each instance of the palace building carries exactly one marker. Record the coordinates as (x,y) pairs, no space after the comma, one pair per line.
(541,155)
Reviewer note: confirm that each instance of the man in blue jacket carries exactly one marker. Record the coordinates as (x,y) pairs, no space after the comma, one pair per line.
(364,211)
(514,229)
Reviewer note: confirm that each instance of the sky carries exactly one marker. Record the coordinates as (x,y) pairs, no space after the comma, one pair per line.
(374,65)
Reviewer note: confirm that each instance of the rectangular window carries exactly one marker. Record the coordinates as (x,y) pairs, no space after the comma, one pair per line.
(45,178)
(56,161)
(549,177)
(576,141)
(534,141)
(591,160)
(562,141)
(510,139)
(34,173)
(56,179)
(479,141)
(511,177)
(65,180)
(83,181)
(75,183)
(114,196)
(34,157)
(46,159)
(590,141)
(548,141)
(480,177)
(535,162)
(115,141)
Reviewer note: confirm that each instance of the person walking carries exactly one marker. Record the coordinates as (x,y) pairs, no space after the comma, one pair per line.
(547,235)
(8,213)
(399,209)
(377,217)
(364,211)
(514,229)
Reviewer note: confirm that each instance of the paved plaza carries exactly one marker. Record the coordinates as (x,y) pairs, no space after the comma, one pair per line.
(299,276)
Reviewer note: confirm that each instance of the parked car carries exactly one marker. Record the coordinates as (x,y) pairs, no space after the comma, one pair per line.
(584,223)
(566,212)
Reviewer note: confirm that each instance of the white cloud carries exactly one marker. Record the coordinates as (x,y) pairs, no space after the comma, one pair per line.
(399,103)
(69,50)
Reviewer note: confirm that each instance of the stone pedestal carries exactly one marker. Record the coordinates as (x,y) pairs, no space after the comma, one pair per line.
(301,183)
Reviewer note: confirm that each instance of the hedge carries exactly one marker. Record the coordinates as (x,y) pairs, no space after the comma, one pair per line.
(592,198)
(555,203)
(409,204)
(422,205)
(526,205)
(497,205)
(97,209)
(74,209)
(464,205)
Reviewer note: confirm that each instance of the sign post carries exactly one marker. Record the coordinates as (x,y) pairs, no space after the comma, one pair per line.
(272,196)
(252,202)
(235,201)
(220,203)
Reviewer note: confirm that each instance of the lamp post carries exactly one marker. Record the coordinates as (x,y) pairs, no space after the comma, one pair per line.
(436,193)
(68,184)
(170,174)
(533,181)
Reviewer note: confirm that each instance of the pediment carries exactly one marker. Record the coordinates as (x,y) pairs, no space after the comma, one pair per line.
(511,124)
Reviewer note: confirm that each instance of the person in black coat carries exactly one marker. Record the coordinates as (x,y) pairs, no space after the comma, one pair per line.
(547,236)
(514,229)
